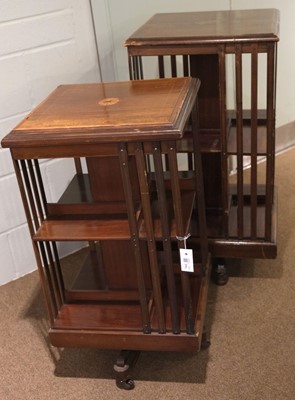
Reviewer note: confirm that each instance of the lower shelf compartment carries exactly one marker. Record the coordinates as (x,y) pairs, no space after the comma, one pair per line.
(123,313)
(101,317)
(225,241)
(118,324)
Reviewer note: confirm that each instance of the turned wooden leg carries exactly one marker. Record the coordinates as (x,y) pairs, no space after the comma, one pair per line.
(123,368)
(205,343)
(219,272)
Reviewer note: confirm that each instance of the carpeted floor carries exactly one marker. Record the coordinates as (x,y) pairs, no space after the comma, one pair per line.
(251,322)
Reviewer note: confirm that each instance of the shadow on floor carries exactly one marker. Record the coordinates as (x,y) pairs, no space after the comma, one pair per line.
(255,268)
(151,366)
(98,364)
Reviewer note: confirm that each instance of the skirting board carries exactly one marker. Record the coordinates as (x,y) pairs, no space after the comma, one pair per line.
(285,136)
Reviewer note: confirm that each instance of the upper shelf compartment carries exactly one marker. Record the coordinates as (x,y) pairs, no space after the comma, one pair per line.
(76,226)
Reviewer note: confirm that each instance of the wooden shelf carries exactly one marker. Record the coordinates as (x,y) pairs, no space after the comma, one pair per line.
(260,225)
(82,229)
(103,316)
(260,189)
(76,228)
(188,201)
(123,313)
(209,142)
(260,140)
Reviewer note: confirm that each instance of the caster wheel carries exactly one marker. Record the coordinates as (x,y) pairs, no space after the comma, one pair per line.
(219,272)
(127,384)
(205,345)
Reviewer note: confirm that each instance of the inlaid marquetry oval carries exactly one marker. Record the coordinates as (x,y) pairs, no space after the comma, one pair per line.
(109,101)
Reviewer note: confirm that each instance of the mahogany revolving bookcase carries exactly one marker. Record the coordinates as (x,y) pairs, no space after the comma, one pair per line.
(233,53)
(130,204)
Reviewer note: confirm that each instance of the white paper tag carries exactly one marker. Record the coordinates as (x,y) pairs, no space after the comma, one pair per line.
(186,260)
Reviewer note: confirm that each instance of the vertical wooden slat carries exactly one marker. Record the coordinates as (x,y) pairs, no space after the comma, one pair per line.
(185,283)
(78,166)
(140,66)
(49,284)
(50,303)
(55,283)
(239,119)
(130,68)
(22,187)
(223,138)
(190,163)
(200,188)
(41,186)
(161,67)
(30,195)
(148,223)
(254,116)
(36,191)
(123,158)
(60,279)
(135,71)
(185,65)
(163,209)
(173,66)
(270,144)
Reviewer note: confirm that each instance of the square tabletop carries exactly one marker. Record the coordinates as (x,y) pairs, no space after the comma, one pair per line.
(207,27)
(108,112)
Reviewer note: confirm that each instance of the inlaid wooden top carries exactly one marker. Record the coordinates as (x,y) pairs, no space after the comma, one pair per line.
(207,27)
(107,112)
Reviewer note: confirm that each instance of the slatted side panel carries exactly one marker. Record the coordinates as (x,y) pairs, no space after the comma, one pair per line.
(254,205)
(167,246)
(252,219)
(125,173)
(148,222)
(135,68)
(158,66)
(34,201)
(173,292)
(185,281)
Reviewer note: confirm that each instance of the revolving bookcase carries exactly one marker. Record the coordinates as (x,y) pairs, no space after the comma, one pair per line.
(233,53)
(132,207)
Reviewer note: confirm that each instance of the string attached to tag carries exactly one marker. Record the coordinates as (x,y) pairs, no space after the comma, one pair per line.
(183,239)
(186,255)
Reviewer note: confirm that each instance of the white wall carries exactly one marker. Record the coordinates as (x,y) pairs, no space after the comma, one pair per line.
(43,44)
(125,17)
(286,54)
